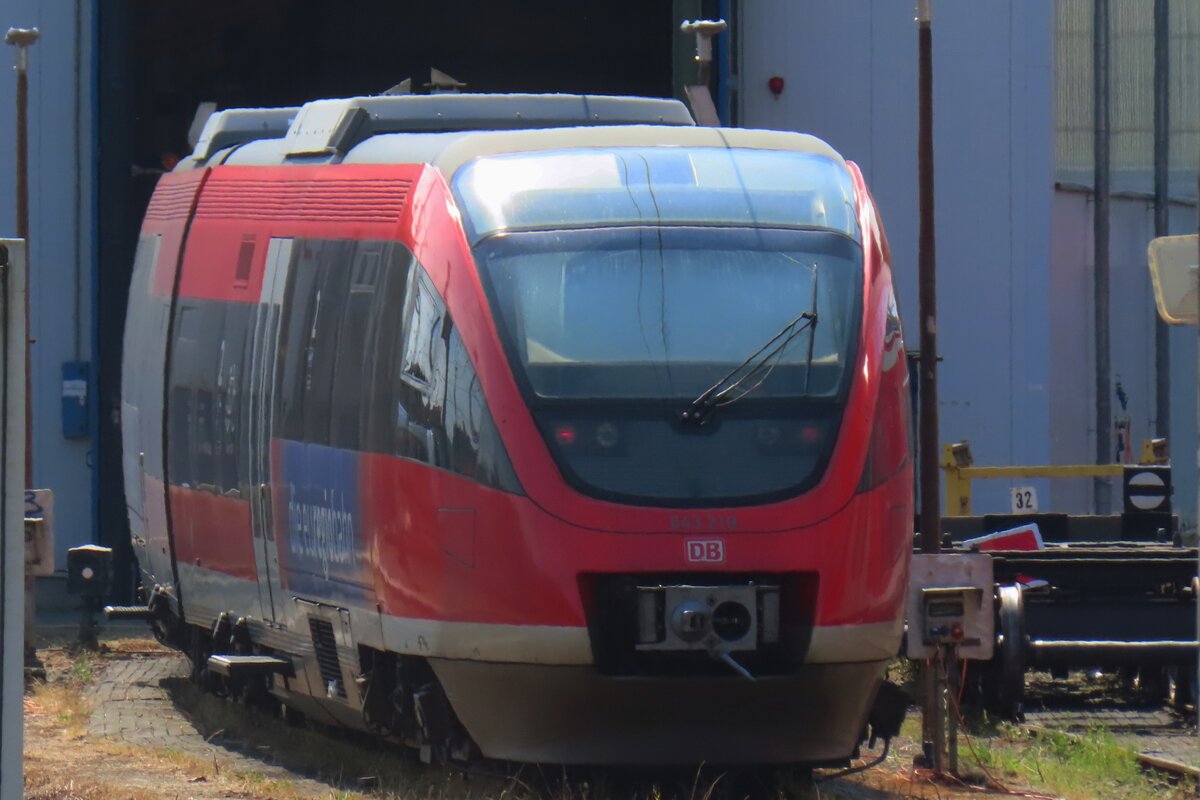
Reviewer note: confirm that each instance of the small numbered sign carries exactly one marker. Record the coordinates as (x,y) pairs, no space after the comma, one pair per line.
(1024,500)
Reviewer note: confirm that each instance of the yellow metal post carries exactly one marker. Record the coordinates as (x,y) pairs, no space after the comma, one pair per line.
(958,485)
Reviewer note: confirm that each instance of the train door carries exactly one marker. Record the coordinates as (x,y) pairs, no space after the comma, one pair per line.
(143,387)
(264,351)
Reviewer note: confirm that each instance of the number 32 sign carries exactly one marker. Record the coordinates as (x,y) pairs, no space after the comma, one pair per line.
(1024,500)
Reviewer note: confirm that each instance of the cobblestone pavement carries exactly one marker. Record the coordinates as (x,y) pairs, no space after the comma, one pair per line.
(1153,731)
(131,702)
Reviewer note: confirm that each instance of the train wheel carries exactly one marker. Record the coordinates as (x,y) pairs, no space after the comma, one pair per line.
(1183,683)
(1007,685)
(1154,683)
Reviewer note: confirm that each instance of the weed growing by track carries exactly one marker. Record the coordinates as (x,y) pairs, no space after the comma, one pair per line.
(1092,766)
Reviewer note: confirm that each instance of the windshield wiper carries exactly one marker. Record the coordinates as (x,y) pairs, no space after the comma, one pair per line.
(758,366)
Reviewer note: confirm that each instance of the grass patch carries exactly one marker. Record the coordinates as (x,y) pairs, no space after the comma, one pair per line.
(1086,767)
(61,705)
(82,670)
(45,783)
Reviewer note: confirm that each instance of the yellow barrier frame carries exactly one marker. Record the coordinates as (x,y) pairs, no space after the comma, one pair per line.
(958,465)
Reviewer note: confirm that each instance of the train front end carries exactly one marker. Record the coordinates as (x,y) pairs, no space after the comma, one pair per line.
(693,357)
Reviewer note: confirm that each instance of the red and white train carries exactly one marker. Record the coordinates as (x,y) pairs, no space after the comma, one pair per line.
(547,428)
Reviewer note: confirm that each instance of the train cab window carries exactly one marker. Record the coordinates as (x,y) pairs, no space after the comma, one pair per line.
(423,321)
(419,384)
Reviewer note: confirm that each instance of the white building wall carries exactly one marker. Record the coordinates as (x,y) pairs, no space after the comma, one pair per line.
(850,71)
(1131,322)
(61,208)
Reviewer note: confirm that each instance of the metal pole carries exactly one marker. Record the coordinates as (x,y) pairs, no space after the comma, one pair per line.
(952,709)
(22,38)
(1162,209)
(931,522)
(1103,499)
(933,710)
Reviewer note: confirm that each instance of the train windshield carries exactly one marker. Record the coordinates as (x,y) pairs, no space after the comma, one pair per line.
(622,304)
(667,312)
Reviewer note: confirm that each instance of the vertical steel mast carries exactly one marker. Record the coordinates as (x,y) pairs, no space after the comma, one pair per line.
(22,38)
(1100,92)
(933,715)
(1162,208)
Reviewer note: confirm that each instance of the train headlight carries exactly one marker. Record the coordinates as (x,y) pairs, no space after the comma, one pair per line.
(731,621)
(607,435)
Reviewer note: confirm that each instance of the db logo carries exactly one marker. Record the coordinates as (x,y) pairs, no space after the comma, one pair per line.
(707,550)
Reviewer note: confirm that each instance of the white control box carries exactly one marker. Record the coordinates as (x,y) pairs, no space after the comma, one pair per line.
(950,600)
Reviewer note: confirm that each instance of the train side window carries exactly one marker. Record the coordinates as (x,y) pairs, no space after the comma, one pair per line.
(139,329)
(322,339)
(180,398)
(384,332)
(299,306)
(229,387)
(352,345)
(206,434)
(245,260)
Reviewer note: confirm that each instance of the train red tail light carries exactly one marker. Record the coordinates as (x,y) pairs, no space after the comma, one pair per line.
(565,435)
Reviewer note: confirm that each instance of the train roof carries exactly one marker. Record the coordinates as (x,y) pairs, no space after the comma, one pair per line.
(447,130)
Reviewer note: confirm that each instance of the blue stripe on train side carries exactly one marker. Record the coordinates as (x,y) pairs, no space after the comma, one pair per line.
(322,548)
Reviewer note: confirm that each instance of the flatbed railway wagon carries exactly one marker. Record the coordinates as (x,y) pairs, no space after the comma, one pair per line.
(541,428)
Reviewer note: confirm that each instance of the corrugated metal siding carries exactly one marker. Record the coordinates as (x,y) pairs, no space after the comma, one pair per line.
(1132,94)
(850,72)
(60,250)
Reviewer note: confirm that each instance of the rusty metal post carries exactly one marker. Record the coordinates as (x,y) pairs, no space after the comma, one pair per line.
(933,715)
(22,38)
(931,522)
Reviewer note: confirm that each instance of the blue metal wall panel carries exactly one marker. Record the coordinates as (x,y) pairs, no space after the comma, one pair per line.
(59,173)
(850,73)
